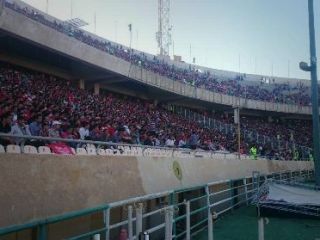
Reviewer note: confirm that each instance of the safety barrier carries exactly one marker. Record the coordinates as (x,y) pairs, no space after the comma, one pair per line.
(88,147)
(176,214)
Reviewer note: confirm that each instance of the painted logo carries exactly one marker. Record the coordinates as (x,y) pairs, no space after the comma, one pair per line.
(177,170)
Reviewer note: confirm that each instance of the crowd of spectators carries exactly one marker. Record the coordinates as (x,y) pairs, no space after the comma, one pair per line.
(33,103)
(298,94)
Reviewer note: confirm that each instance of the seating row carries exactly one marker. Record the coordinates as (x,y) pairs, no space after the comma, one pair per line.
(91,150)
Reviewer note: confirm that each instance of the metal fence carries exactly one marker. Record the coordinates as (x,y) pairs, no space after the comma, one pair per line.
(176,214)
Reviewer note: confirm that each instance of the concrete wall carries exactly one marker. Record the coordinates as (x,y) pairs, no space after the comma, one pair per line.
(38,186)
(22,26)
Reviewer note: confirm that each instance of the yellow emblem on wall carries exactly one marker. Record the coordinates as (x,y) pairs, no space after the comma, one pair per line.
(177,170)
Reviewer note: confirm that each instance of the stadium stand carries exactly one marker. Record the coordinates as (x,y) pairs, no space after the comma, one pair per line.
(37,104)
(297,94)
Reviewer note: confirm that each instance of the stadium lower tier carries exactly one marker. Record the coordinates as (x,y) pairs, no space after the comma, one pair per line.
(37,104)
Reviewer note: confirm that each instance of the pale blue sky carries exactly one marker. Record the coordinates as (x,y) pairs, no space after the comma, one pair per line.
(266,34)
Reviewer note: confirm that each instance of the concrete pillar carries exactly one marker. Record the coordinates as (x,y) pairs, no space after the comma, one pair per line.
(261,228)
(168,223)
(97,88)
(139,215)
(106,219)
(188,231)
(1,6)
(96,237)
(155,102)
(81,84)
(130,224)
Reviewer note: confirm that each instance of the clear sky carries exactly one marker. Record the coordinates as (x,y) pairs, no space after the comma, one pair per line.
(269,37)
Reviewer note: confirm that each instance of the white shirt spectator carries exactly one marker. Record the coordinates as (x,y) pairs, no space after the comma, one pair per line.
(170,142)
(84,132)
(182,143)
(157,142)
(22,130)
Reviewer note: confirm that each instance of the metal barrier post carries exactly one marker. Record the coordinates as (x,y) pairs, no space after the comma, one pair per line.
(2,2)
(172,202)
(265,177)
(256,180)
(144,236)
(96,237)
(284,175)
(232,193)
(42,232)
(210,223)
(261,228)
(106,220)
(245,189)
(168,223)
(130,225)
(187,203)
(139,219)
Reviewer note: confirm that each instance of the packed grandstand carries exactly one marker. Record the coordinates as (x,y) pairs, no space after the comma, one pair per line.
(38,104)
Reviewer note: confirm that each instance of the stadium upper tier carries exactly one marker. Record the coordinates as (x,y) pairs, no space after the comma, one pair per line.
(247,91)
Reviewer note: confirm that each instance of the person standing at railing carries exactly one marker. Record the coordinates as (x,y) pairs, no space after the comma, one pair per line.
(96,134)
(253,153)
(135,135)
(295,155)
(170,142)
(35,128)
(182,142)
(149,141)
(193,140)
(5,127)
(310,156)
(84,131)
(54,131)
(22,129)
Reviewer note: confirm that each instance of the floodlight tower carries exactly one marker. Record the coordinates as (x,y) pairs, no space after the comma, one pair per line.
(163,35)
(312,68)
(1,6)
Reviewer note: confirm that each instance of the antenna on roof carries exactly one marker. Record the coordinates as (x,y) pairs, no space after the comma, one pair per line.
(163,35)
